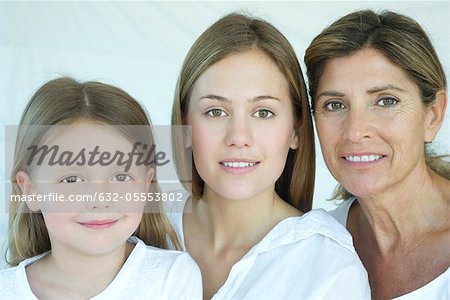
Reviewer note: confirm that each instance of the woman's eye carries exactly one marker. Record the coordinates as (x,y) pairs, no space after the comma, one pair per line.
(71,179)
(122,177)
(215,112)
(334,105)
(387,102)
(263,114)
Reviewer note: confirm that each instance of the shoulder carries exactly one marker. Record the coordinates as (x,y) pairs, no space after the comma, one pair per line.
(162,259)
(8,283)
(7,278)
(316,237)
(319,225)
(173,273)
(14,282)
(313,247)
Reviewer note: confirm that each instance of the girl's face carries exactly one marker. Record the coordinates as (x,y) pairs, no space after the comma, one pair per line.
(79,223)
(371,123)
(242,123)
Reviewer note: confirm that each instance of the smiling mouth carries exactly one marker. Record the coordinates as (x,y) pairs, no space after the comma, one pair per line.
(238,164)
(363,158)
(98,224)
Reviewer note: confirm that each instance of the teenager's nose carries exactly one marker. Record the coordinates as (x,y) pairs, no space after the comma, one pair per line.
(239,132)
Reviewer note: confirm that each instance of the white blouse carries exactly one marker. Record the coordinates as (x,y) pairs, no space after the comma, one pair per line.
(148,273)
(438,288)
(308,257)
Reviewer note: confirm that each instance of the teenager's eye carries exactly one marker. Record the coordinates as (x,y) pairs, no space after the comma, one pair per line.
(334,105)
(122,177)
(71,179)
(387,102)
(216,112)
(264,114)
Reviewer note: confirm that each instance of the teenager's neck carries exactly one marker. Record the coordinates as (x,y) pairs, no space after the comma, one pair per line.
(240,222)
(87,275)
(418,205)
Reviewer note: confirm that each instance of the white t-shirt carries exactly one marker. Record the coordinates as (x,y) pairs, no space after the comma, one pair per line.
(438,288)
(308,257)
(148,273)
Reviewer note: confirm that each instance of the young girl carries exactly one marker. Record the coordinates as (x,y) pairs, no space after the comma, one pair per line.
(242,91)
(91,242)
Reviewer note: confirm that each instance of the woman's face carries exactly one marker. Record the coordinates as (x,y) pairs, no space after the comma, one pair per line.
(371,123)
(242,125)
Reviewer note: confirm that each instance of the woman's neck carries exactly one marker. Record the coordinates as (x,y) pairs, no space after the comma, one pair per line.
(76,275)
(240,222)
(416,206)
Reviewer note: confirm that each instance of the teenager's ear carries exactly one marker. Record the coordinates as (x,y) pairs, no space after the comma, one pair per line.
(26,186)
(435,116)
(294,141)
(187,136)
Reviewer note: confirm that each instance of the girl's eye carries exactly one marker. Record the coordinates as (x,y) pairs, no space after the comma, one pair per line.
(263,114)
(334,106)
(71,179)
(387,102)
(215,112)
(122,177)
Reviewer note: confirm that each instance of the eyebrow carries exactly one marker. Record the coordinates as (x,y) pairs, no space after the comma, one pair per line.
(331,93)
(385,87)
(373,90)
(251,100)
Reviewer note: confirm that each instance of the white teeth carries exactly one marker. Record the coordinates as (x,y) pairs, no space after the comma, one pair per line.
(363,158)
(236,164)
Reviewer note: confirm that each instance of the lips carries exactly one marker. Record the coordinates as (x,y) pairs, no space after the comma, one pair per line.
(98,224)
(238,164)
(363,158)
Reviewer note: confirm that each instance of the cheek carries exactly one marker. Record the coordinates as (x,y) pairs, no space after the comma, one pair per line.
(204,138)
(55,222)
(134,219)
(327,134)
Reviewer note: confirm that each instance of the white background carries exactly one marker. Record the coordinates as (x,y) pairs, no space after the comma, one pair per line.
(140,46)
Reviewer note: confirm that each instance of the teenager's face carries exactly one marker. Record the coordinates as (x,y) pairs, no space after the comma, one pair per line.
(80,223)
(242,123)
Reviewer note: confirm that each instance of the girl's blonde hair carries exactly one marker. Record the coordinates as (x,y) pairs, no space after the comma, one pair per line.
(232,34)
(61,102)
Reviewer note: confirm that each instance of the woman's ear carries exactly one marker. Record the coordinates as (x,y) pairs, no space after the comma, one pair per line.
(26,186)
(435,116)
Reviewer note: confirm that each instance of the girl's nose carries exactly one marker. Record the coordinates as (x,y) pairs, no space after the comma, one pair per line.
(97,199)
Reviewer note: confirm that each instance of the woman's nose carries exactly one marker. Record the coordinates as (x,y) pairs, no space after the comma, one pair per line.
(358,125)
